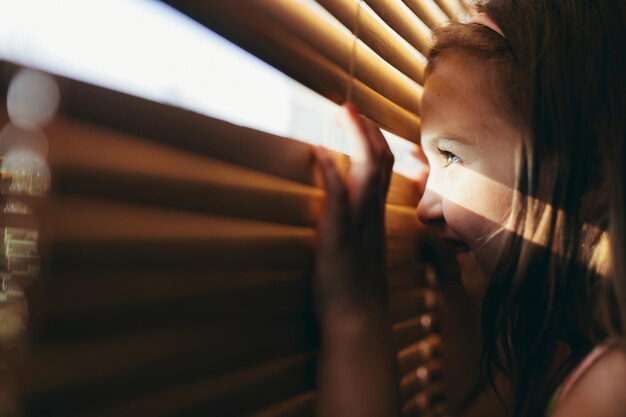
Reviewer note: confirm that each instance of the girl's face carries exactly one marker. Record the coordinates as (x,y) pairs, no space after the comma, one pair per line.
(471,151)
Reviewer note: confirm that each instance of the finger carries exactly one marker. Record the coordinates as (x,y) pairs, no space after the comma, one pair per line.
(386,157)
(362,148)
(422,170)
(378,141)
(336,192)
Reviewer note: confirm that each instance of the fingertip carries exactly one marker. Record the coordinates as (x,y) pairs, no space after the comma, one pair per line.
(350,106)
(352,112)
(320,152)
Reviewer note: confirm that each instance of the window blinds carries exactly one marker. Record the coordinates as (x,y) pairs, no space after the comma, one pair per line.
(177,248)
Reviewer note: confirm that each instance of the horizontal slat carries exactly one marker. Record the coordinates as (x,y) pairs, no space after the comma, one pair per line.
(406,279)
(411,304)
(100,162)
(308,23)
(138,118)
(187,130)
(99,290)
(455,9)
(400,18)
(419,379)
(231,395)
(97,304)
(407,332)
(255,32)
(95,290)
(380,39)
(83,375)
(300,406)
(122,304)
(416,354)
(428,12)
(95,161)
(93,234)
(426,403)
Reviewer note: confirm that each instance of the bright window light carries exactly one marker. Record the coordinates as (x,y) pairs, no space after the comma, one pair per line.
(147,49)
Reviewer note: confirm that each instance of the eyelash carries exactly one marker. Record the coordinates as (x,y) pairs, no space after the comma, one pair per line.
(450,157)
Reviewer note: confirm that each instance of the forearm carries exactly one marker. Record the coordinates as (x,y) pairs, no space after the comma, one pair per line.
(357,367)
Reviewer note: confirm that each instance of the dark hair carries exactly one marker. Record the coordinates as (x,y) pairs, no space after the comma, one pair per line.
(561,278)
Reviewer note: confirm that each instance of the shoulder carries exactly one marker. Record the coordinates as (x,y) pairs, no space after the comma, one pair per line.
(600,391)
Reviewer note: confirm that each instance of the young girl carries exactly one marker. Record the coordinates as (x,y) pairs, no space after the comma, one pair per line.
(523,126)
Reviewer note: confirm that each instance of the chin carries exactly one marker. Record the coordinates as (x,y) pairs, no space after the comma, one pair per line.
(473,277)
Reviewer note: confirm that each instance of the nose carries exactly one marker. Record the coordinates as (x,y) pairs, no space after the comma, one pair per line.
(429,209)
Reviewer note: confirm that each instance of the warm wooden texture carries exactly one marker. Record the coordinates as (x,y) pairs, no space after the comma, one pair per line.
(426,403)
(428,11)
(231,394)
(176,263)
(101,162)
(379,38)
(299,406)
(418,353)
(338,45)
(254,31)
(114,234)
(408,331)
(126,302)
(455,9)
(122,124)
(83,233)
(400,18)
(419,379)
(411,303)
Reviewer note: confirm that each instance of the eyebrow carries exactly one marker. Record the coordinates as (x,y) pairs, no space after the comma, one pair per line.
(452,139)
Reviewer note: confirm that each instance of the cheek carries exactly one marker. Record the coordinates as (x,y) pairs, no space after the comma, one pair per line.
(476,207)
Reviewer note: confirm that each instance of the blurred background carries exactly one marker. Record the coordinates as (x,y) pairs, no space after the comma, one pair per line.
(159,202)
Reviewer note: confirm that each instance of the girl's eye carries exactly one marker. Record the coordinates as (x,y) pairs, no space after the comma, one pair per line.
(450,157)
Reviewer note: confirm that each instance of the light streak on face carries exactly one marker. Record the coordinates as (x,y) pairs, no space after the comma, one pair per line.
(472,152)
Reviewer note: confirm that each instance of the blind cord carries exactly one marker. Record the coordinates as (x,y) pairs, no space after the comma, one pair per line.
(355,37)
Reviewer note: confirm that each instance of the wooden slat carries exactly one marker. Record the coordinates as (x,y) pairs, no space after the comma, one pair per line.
(400,18)
(426,403)
(186,130)
(94,161)
(379,38)
(231,395)
(308,23)
(299,406)
(123,119)
(410,304)
(100,162)
(71,306)
(84,375)
(419,379)
(407,332)
(100,234)
(453,8)
(288,53)
(428,11)
(416,354)
(406,279)
(144,301)
(93,234)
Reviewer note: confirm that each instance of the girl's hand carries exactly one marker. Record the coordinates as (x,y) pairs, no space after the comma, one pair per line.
(350,269)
